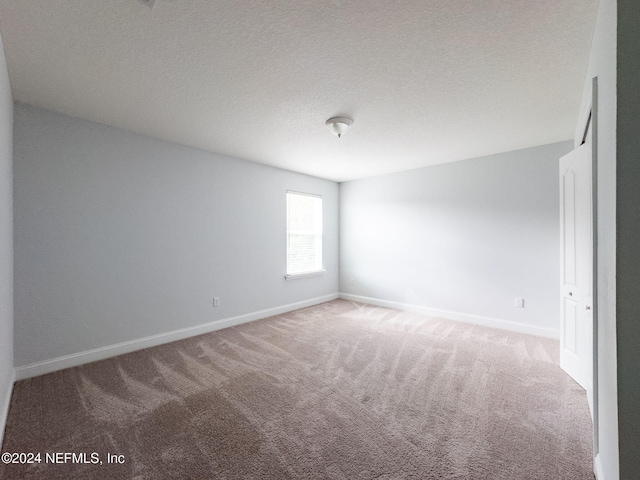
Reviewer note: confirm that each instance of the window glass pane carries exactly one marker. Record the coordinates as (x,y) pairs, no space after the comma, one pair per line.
(304,233)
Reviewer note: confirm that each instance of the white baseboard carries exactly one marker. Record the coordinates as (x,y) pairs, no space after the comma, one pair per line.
(88,356)
(460,317)
(597,468)
(4,406)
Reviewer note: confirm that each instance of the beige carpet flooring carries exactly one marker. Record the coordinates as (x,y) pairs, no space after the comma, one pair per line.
(340,390)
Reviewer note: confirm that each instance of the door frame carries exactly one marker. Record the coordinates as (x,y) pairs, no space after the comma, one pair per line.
(590,119)
(593,118)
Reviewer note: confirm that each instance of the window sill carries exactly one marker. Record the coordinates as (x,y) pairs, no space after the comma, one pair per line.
(304,275)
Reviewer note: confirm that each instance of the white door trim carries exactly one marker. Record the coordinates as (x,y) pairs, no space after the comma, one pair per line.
(593,120)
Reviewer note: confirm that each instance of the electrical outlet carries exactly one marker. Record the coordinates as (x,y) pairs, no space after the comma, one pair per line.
(519,302)
(352,281)
(216,301)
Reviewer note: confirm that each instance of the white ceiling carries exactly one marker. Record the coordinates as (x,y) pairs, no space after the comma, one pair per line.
(426,81)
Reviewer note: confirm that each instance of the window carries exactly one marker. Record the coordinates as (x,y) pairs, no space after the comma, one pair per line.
(304,234)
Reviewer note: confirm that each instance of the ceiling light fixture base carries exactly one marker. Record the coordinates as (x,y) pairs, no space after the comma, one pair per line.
(339,125)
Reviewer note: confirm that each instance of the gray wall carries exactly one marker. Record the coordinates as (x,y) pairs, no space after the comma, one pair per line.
(120,236)
(628,235)
(467,237)
(602,63)
(6,240)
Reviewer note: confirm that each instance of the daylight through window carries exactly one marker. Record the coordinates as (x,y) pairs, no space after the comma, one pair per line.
(304,234)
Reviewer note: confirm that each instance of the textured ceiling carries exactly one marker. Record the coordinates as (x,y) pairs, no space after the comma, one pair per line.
(426,81)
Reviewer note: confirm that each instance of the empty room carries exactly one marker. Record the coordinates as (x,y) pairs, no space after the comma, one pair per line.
(319,239)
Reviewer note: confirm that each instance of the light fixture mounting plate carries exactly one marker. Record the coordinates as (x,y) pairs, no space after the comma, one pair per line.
(339,125)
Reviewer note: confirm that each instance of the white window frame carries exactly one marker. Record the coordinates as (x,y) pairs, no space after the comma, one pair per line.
(317,232)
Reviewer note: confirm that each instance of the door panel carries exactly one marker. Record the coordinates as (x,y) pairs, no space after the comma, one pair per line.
(570,316)
(576,346)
